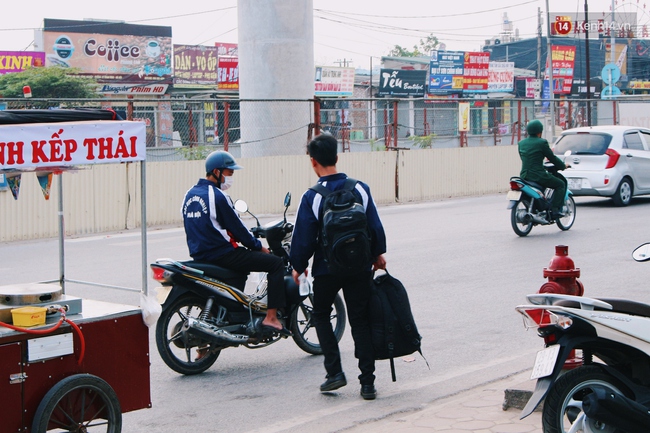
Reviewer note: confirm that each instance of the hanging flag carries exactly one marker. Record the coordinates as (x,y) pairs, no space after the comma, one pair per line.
(45,181)
(14,185)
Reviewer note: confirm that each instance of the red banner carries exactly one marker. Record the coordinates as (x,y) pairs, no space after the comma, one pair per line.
(228,73)
(476,71)
(563,60)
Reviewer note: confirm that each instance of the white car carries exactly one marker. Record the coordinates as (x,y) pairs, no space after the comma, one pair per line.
(608,161)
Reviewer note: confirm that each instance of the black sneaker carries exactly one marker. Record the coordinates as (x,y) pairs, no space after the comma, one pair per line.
(335,382)
(368,392)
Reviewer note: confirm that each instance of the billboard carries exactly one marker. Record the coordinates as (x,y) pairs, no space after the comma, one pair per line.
(475,71)
(562,62)
(501,77)
(399,82)
(334,81)
(195,64)
(18,61)
(228,73)
(446,69)
(109,51)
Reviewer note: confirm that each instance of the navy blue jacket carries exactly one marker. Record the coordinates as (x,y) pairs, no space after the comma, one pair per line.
(212,226)
(305,243)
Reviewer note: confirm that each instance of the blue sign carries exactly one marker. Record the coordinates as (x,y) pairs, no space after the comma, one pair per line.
(443,67)
(610,92)
(610,74)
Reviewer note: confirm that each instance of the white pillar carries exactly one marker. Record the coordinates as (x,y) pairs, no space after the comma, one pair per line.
(276,61)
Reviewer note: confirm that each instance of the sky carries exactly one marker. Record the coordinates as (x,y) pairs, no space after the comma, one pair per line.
(346,32)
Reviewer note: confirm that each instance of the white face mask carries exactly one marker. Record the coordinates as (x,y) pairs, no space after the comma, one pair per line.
(227,182)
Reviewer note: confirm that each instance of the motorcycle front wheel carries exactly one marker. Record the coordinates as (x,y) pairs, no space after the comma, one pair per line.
(302,326)
(517,216)
(569,217)
(182,352)
(563,405)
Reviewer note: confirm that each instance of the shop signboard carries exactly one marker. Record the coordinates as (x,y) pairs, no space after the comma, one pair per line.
(19,61)
(334,81)
(476,71)
(446,69)
(228,73)
(403,83)
(501,77)
(562,61)
(195,64)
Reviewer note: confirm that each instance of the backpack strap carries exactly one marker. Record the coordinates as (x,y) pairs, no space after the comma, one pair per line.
(320,189)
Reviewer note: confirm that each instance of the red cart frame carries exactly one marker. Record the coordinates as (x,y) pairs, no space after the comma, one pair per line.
(95,365)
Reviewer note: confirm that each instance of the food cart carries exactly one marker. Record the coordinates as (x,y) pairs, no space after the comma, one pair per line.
(69,364)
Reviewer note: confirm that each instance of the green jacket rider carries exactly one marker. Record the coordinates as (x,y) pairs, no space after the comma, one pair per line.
(532,151)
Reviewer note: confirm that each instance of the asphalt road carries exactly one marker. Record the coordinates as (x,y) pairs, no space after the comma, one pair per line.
(465,271)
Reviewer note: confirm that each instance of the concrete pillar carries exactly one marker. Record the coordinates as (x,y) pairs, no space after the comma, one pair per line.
(276,61)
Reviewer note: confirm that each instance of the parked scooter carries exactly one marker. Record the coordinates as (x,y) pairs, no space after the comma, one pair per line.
(610,391)
(206,309)
(530,205)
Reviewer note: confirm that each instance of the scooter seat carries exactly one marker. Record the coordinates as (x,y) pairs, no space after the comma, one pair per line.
(217,271)
(618,305)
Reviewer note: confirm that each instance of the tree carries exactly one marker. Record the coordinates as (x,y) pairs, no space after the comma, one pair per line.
(423,49)
(51,82)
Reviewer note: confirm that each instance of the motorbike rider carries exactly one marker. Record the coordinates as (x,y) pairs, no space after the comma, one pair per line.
(532,151)
(213,230)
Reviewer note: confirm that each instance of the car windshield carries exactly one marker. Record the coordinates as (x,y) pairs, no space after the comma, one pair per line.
(582,143)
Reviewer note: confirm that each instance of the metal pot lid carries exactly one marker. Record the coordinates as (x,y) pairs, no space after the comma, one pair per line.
(31,293)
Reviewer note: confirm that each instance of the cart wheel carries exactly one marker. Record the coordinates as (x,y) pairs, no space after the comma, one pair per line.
(79,403)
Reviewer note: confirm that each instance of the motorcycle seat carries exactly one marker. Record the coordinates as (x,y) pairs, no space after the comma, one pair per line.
(618,305)
(216,271)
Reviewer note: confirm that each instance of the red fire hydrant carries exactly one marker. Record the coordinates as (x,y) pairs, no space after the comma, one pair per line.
(562,274)
(563,280)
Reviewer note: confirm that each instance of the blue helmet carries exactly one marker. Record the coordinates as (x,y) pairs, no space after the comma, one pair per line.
(220,160)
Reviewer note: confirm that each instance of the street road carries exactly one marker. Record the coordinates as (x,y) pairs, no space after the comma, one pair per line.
(465,271)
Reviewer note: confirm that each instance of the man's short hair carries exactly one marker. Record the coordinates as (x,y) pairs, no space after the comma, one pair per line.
(323,149)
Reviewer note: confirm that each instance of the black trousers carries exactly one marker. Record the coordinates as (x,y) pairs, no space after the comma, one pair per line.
(356,291)
(245,260)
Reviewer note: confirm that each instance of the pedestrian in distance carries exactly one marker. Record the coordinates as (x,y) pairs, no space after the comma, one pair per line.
(532,151)
(214,230)
(356,285)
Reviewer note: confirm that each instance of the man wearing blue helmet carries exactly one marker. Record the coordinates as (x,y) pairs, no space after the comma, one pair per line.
(214,230)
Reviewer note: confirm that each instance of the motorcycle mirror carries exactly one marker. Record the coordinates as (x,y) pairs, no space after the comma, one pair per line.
(287,199)
(567,153)
(241,206)
(641,253)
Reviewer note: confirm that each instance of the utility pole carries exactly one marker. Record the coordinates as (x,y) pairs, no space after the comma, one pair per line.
(587,69)
(549,64)
(343,63)
(539,43)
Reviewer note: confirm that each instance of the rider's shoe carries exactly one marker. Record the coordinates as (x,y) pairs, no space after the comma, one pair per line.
(333,382)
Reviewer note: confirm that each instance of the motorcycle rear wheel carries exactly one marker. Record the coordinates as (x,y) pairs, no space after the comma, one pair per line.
(302,327)
(569,218)
(183,353)
(518,211)
(563,405)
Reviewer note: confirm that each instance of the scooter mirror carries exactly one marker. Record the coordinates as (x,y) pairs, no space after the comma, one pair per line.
(642,253)
(287,199)
(567,153)
(241,206)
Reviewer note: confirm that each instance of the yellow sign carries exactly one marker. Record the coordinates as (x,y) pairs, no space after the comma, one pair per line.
(463,116)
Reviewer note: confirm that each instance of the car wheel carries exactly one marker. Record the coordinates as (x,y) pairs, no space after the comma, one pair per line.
(623,194)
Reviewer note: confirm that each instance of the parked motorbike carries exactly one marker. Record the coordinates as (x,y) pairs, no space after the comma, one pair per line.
(610,391)
(205,309)
(530,205)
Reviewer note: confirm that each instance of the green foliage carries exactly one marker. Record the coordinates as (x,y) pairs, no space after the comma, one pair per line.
(195,153)
(47,83)
(374,146)
(423,141)
(423,49)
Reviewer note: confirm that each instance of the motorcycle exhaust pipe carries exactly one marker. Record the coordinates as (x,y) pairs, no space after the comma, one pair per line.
(616,410)
(537,219)
(215,334)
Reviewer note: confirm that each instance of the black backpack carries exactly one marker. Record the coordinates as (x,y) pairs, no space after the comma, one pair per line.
(344,233)
(392,326)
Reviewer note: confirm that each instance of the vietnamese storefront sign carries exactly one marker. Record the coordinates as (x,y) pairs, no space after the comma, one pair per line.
(562,61)
(501,77)
(476,71)
(133,89)
(47,146)
(228,73)
(18,61)
(195,64)
(334,81)
(227,49)
(399,82)
(446,69)
(111,57)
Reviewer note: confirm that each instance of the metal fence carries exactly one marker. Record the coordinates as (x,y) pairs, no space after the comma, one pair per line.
(186,128)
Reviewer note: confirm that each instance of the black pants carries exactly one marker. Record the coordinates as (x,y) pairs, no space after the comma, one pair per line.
(356,291)
(245,260)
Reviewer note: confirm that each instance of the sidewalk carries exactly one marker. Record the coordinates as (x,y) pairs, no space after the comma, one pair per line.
(478,410)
